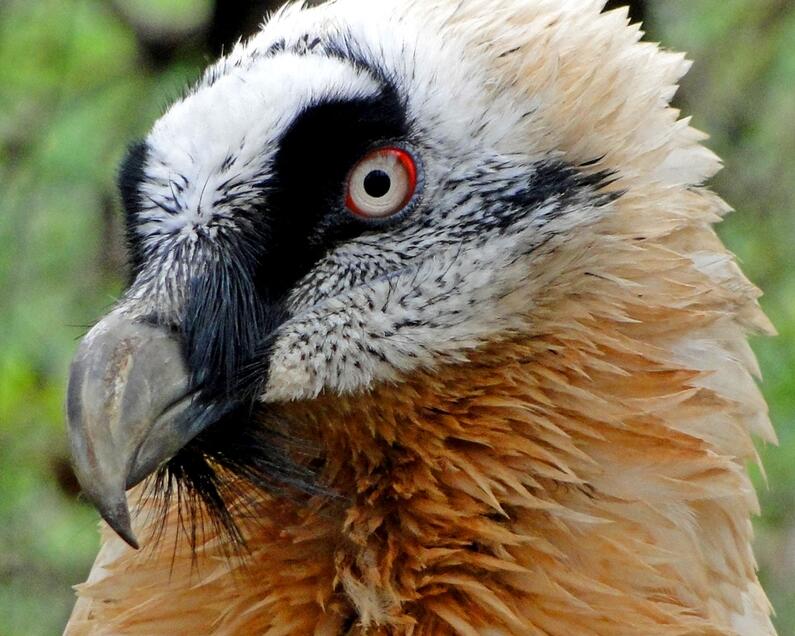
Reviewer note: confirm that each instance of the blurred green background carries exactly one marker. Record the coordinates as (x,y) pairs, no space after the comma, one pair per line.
(79,79)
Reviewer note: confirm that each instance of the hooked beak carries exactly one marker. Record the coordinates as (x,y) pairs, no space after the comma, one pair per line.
(130,409)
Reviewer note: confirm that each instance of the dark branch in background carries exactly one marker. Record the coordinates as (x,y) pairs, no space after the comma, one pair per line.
(229,21)
(637,8)
(158,43)
(161,43)
(233,19)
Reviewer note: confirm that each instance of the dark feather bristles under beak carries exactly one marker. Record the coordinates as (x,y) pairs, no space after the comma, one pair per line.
(134,411)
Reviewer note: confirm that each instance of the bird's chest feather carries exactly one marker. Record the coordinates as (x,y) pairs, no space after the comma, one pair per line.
(519,493)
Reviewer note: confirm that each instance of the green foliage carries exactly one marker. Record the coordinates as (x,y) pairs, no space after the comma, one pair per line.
(74,92)
(76,87)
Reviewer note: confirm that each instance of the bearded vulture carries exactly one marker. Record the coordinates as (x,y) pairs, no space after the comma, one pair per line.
(429,332)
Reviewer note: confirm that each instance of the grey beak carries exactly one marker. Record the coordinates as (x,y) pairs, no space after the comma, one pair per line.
(129,409)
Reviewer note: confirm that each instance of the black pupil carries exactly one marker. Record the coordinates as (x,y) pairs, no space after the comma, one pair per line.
(377,184)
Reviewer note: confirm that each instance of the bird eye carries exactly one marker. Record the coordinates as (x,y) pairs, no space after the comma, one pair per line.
(382,184)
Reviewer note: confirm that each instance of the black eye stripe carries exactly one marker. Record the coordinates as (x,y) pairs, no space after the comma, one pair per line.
(319,149)
(301,218)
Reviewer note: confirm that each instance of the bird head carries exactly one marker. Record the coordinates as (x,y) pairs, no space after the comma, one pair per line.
(362,191)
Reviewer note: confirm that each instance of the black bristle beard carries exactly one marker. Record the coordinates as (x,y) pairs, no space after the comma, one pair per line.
(247,453)
(229,473)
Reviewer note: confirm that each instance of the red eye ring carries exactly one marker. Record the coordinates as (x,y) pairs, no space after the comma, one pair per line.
(382,183)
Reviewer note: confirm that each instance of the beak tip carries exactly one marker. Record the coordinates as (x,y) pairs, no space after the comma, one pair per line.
(128,536)
(117,515)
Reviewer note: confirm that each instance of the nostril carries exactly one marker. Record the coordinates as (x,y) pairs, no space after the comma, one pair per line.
(163,324)
(74,406)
